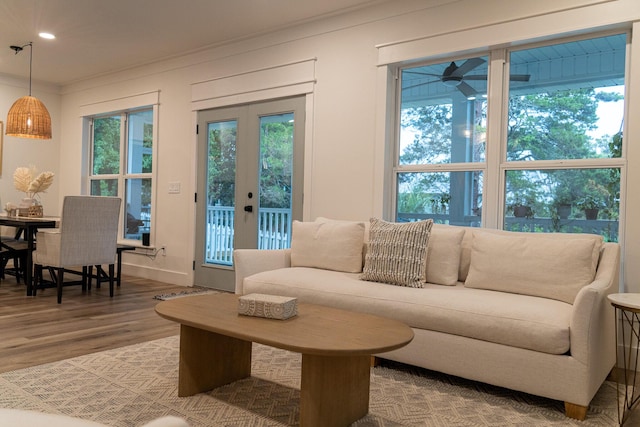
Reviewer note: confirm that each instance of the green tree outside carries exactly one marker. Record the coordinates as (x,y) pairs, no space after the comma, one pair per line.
(275,164)
(541,126)
(106,154)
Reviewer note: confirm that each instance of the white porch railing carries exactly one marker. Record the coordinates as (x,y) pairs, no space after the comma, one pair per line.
(273,232)
(608,228)
(219,238)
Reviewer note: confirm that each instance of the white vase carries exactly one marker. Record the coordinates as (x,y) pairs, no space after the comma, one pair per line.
(29,207)
(26,202)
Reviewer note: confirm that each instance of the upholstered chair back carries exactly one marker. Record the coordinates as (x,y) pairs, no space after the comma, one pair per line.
(89,230)
(87,236)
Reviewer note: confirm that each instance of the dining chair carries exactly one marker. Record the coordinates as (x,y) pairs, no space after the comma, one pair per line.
(87,236)
(16,251)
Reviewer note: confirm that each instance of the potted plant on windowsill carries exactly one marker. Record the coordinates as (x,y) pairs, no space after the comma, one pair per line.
(564,210)
(440,204)
(521,207)
(562,204)
(591,205)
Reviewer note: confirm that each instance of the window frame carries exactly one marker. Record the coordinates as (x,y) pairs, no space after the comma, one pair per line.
(496,165)
(123,175)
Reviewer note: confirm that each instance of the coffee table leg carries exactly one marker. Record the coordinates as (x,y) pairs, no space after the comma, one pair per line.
(209,360)
(334,390)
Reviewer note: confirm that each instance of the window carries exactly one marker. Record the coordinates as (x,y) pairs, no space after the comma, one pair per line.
(122,150)
(442,142)
(550,142)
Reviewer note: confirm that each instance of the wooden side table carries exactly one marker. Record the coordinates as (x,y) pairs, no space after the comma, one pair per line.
(628,332)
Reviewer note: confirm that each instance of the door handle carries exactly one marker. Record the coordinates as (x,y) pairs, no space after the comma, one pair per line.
(248,208)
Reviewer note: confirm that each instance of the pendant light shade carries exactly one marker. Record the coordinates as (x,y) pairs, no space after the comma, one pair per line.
(28,117)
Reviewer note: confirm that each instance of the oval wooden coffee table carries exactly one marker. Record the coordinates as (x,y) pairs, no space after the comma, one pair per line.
(336,347)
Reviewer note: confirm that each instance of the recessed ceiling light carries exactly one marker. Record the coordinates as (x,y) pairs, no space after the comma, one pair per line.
(47,36)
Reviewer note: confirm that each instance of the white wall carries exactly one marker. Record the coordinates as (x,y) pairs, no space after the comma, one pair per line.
(344,170)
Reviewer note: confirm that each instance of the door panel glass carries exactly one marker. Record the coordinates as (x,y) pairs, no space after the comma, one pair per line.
(276,174)
(220,192)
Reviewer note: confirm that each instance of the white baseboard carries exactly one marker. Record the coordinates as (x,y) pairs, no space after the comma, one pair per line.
(165,276)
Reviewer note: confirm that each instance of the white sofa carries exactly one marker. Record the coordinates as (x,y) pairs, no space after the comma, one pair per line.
(525,311)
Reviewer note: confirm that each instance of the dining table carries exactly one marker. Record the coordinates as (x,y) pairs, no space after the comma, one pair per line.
(29,226)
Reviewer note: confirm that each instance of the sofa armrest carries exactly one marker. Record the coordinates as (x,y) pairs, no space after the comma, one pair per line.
(252,261)
(592,324)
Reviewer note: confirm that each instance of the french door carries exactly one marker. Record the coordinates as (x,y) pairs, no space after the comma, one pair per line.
(250,161)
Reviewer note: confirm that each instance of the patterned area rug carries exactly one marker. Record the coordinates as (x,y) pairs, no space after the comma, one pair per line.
(132,385)
(190,292)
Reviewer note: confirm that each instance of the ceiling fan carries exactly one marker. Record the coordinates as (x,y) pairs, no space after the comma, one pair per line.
(455,76)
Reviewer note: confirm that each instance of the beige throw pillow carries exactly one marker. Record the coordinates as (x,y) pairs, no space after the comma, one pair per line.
(443,254)
(467,241)
(331,245)
(397,252)
(544,267)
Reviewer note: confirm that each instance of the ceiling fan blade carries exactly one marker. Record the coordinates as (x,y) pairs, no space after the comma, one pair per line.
(466,90)
(420,84)
(512,77)
(420,73)
(467,66)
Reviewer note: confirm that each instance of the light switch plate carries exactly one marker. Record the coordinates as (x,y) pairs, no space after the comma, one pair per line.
(174,187)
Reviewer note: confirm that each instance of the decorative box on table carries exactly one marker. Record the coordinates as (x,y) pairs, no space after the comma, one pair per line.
(270,306)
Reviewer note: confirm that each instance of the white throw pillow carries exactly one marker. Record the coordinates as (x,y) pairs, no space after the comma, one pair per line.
(397,253)
(545,267)
(331,245)
(467,241)
(443,254)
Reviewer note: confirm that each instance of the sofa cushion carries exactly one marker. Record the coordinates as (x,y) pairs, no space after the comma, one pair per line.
(470,232)
(443,254)
(332,245)
(544,267)
(397,252)
(534,323)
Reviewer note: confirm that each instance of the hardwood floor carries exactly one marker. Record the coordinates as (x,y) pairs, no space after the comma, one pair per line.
(37,330)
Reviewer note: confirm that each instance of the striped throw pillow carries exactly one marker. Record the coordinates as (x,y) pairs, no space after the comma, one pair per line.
(397,253)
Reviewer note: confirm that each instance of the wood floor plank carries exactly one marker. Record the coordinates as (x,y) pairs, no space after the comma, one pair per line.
(37,330)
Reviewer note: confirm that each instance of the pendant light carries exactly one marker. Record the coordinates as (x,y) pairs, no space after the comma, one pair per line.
(28,117)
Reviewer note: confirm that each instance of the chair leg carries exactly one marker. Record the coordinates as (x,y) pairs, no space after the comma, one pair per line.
(17,266)
(89,276)
(84,279)
(37,278)
(3,265)
(111,279)
(98,276)
(60,277)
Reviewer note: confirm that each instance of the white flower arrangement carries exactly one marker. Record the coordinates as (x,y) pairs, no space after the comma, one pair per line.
(25,180)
